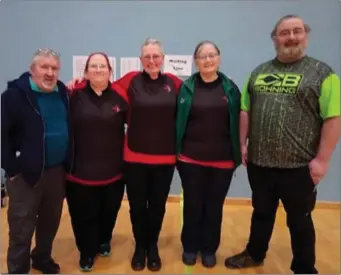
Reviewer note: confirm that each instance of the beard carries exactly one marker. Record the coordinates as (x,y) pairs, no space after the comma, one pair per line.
(291,50)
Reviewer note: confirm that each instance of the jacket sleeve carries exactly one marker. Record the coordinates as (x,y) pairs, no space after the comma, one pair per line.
(237,109)
(237,94)
(8,151)
(181,116)
(121,86)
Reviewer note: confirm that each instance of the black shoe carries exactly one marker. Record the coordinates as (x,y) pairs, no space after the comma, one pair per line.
(303,269)
(208,260)
(104,250)
(310,272)
(47,267)
(138,261)
(86,263)
(242,260)
(154,261)
(189,258)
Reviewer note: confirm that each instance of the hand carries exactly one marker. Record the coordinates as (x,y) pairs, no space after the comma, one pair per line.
(244,154)
(13,178)
(71,84)
(318,169)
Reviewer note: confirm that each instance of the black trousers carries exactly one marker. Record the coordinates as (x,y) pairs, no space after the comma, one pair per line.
(30,209)
(296,189)
(93,211)
(204,191)
(148,187)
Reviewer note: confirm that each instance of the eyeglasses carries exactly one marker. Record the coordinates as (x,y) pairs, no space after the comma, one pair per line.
(204,56)
(47,51)
(99,66)
(154,57)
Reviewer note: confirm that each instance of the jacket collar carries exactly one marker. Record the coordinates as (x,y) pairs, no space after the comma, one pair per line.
(23,84)
(190,82)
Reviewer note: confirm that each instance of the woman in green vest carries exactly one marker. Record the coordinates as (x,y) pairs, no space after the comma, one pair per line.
(208,152)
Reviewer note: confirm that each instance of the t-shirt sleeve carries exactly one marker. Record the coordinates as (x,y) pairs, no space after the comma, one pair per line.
(245,97)
(330,97)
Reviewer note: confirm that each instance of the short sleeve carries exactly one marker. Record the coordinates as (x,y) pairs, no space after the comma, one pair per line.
(330,97)
(245,97)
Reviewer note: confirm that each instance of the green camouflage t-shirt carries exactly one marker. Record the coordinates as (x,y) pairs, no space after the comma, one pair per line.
(287,104)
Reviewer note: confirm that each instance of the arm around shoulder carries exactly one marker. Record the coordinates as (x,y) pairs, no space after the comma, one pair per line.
(121,86)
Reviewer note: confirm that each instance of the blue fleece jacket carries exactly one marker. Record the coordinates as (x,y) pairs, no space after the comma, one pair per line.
(36,125)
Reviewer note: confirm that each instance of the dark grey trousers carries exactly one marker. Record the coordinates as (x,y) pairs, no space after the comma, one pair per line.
(30,209)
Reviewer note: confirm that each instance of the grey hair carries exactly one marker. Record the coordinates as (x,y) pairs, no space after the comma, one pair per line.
(201,44)
(152,41)
(289,16)
(45,53)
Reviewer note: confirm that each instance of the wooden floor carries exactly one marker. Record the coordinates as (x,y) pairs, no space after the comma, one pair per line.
(235,233)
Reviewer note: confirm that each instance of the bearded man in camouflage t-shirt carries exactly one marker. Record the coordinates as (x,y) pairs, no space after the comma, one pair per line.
(291,117)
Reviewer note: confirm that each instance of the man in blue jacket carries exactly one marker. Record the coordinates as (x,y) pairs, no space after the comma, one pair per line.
(34,135)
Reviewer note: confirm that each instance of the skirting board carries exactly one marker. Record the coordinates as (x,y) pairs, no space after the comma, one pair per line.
(247,201)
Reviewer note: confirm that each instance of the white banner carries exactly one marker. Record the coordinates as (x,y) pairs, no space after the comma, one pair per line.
(129,64)
(179,65)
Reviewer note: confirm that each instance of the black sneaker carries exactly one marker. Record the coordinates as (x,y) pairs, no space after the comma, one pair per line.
(154,261)
(104,250)
(47,267)
(208,260)
(189,258)
(86,263)
(242,260)
(138,261)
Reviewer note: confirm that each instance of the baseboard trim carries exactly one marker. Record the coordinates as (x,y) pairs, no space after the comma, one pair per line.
(247,201)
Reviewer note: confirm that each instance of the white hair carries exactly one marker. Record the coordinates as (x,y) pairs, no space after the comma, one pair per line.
(152,41)
(307,28)
(45,53)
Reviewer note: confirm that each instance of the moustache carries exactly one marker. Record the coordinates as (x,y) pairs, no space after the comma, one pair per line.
(291,43)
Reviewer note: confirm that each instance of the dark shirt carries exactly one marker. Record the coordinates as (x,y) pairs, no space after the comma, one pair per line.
(152,116)
(98,133)
(207,136)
